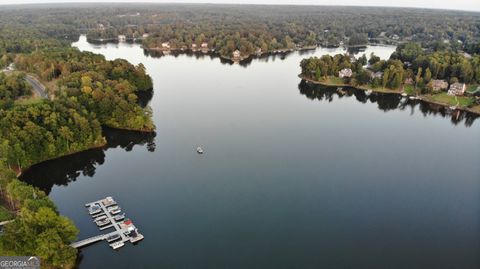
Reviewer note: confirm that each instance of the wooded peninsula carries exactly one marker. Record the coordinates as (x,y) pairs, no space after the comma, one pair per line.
(442,76)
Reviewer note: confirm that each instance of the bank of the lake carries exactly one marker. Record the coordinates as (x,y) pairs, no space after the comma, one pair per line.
(424,97)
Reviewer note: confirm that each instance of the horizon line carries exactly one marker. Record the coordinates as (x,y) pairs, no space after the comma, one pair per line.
(237,4)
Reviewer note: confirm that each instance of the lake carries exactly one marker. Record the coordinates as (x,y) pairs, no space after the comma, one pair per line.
(293,176)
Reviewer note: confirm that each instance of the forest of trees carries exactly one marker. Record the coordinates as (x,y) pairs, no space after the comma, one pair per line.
(38,229)
(86,93)
(90,92)
(244,27)
(409,61)
(12,87)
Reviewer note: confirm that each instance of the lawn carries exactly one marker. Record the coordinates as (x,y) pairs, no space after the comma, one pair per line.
(28,100)
(452,100)
(472,88)
(5,214)
(334,80)
(409,89)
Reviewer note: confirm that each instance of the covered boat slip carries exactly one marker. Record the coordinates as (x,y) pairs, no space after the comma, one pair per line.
(104,212)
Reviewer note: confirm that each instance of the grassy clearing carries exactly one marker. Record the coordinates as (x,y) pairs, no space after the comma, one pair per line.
(444,98)
(472,88)
(334,81)
(409,89)
(28,101)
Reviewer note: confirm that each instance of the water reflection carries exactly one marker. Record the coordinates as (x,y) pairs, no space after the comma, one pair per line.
(385,102)
(67,169)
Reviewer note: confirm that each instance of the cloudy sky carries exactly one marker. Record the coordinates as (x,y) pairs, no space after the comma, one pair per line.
(472,5)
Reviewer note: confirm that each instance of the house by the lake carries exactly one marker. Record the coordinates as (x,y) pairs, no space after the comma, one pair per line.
(204,45)
(438,85)
(122,38)
(374,75)
(165,45)
(236,55)
(457,89)
(345,73)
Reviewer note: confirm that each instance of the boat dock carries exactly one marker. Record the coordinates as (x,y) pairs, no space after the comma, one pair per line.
(124,229)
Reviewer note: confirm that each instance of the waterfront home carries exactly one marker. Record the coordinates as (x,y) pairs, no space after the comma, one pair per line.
(194,46)
(438,85)
(145,35)
(345,73)
(236,54)
(457,89)
(166,45)
(204,45)
(258,51)
(122,38)
(409,81)
(374,75)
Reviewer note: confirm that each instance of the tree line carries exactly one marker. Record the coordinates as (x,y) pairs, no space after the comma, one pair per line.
(410,62)
(247,28)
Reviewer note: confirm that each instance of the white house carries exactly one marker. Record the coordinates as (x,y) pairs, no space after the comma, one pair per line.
(166,45)
(345,73)
(236,54)
(457,89)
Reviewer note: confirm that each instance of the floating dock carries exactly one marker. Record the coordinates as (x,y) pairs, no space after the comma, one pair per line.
(124,230)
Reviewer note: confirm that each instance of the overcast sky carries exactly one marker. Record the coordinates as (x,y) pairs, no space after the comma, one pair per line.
(472,5)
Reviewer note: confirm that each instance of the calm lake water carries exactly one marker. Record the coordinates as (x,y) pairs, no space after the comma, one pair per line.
(293,175)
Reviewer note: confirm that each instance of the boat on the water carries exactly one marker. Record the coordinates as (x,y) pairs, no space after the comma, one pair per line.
(113,208)
(102,222)
(199,150)
(113,237)
(100,218)
(119,217)
(116,211)
(94,209)
(116,245)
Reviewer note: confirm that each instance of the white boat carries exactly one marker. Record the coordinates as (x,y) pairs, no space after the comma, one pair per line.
(113,208)
(94,209)
(412,97)
(116,211)
(113,237)
(120,217)
(404,94)
(100,218)
(116,245)
(108,201)
(136,238)
(199,150)
(102,222)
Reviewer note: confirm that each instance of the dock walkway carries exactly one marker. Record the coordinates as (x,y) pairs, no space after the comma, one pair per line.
(120,228)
